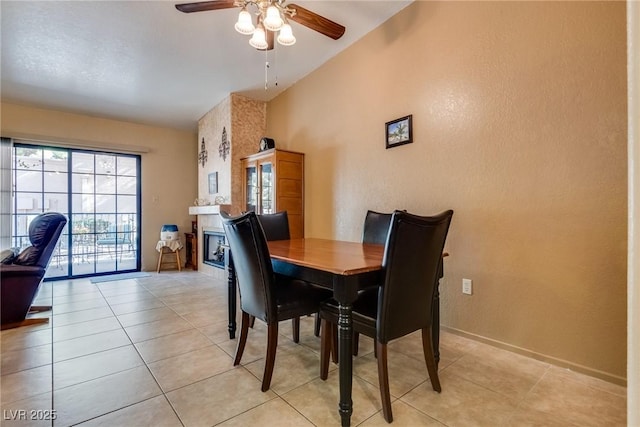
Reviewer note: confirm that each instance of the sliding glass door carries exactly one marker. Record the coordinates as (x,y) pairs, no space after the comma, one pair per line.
(100,195)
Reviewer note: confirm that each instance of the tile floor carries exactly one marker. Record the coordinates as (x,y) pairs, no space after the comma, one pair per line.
(155,351)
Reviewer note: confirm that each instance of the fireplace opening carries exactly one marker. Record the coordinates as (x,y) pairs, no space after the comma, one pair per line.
(213,250)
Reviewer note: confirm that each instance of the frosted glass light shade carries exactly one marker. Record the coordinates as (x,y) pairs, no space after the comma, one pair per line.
(244,24)
(273,21)
(259,39)
(286,37)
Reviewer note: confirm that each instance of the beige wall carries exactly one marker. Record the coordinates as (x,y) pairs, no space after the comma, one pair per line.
(169,179)
(519,114)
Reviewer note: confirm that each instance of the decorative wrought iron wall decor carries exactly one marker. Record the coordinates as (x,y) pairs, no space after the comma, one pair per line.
(202,156)
(225,145)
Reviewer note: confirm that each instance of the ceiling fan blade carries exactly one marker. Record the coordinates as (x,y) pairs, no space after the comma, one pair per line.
(202,6)
(316,22)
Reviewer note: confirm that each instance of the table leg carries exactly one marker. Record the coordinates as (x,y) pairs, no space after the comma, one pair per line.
(232,294)
(345,348)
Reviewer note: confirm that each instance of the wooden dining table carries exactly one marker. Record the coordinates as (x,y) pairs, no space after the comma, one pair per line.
(344,267)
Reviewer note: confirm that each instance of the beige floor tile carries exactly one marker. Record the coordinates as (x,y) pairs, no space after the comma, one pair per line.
(204,317)
(80,316)
(32,357)
(172,345)
(187,368)
(576,402)
(318,401)
(217,332)
(96,365)
(587,380)
(218,398)
(154,412)
(24,384)
(140,295)
(461,403)
(131,307)
(72,298)
(529,417)
(90,344)
(201,304)
(21,339)
(293,368)
(35,411)
(504,372)
(274,413)
(113,288)
(405,373)
(157,328)
(82,329)
(403,415)
(77,286)
(97,397)
(256,347)
(146,316)
(79,305)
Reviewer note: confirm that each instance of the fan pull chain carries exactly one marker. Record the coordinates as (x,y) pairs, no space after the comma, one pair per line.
(266,69)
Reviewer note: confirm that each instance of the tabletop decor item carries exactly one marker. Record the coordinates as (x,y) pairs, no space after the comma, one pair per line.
(399,131)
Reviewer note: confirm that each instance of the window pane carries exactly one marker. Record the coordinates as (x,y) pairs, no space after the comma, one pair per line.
(127,166)
(28,180)
(127,185)
(82,162)
(56,202)
(29,202)
(28,158)
(106,184)
(127,204)
(105,203)
(83,203)
(105,164)
(55,181)
(82,183)
(55,160)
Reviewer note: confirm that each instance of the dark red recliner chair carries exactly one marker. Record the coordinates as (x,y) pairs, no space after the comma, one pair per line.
(20,279)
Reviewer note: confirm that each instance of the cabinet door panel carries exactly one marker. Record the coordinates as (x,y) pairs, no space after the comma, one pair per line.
(289,169)
(289,188)
(291,205)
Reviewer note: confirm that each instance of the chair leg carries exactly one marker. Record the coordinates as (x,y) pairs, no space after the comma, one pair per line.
(383,379)
(295,324)
(39,308)
(252,321)
(432,368)
(334,342)
(325,349)
(242,339)
(272,344)
(316,325)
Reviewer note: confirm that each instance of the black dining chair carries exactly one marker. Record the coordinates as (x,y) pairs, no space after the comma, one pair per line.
(404,301)
(263,294)
(376,227)
(276,227)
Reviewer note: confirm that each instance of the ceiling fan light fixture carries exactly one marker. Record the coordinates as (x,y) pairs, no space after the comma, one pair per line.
(259,38)
(286,37)
(272,20)
(245,23)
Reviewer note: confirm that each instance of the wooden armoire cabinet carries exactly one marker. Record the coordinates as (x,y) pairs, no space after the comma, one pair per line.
(273,181)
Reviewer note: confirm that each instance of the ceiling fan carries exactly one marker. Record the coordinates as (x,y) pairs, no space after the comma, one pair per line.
(272,16)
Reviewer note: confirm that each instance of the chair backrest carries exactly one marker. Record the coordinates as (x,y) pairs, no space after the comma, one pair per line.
(252,264)
(411,261)
(44,232)
(376,227)
(275,226)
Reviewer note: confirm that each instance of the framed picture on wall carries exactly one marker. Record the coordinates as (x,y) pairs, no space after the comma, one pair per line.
(399,131)
(213,183)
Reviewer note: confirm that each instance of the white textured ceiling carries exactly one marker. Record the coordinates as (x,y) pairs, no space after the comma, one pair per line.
(143,61)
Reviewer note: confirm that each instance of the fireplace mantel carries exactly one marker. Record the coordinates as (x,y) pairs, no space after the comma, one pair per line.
(208,209)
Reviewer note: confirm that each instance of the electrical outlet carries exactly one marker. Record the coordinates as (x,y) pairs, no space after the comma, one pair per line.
(467,286)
